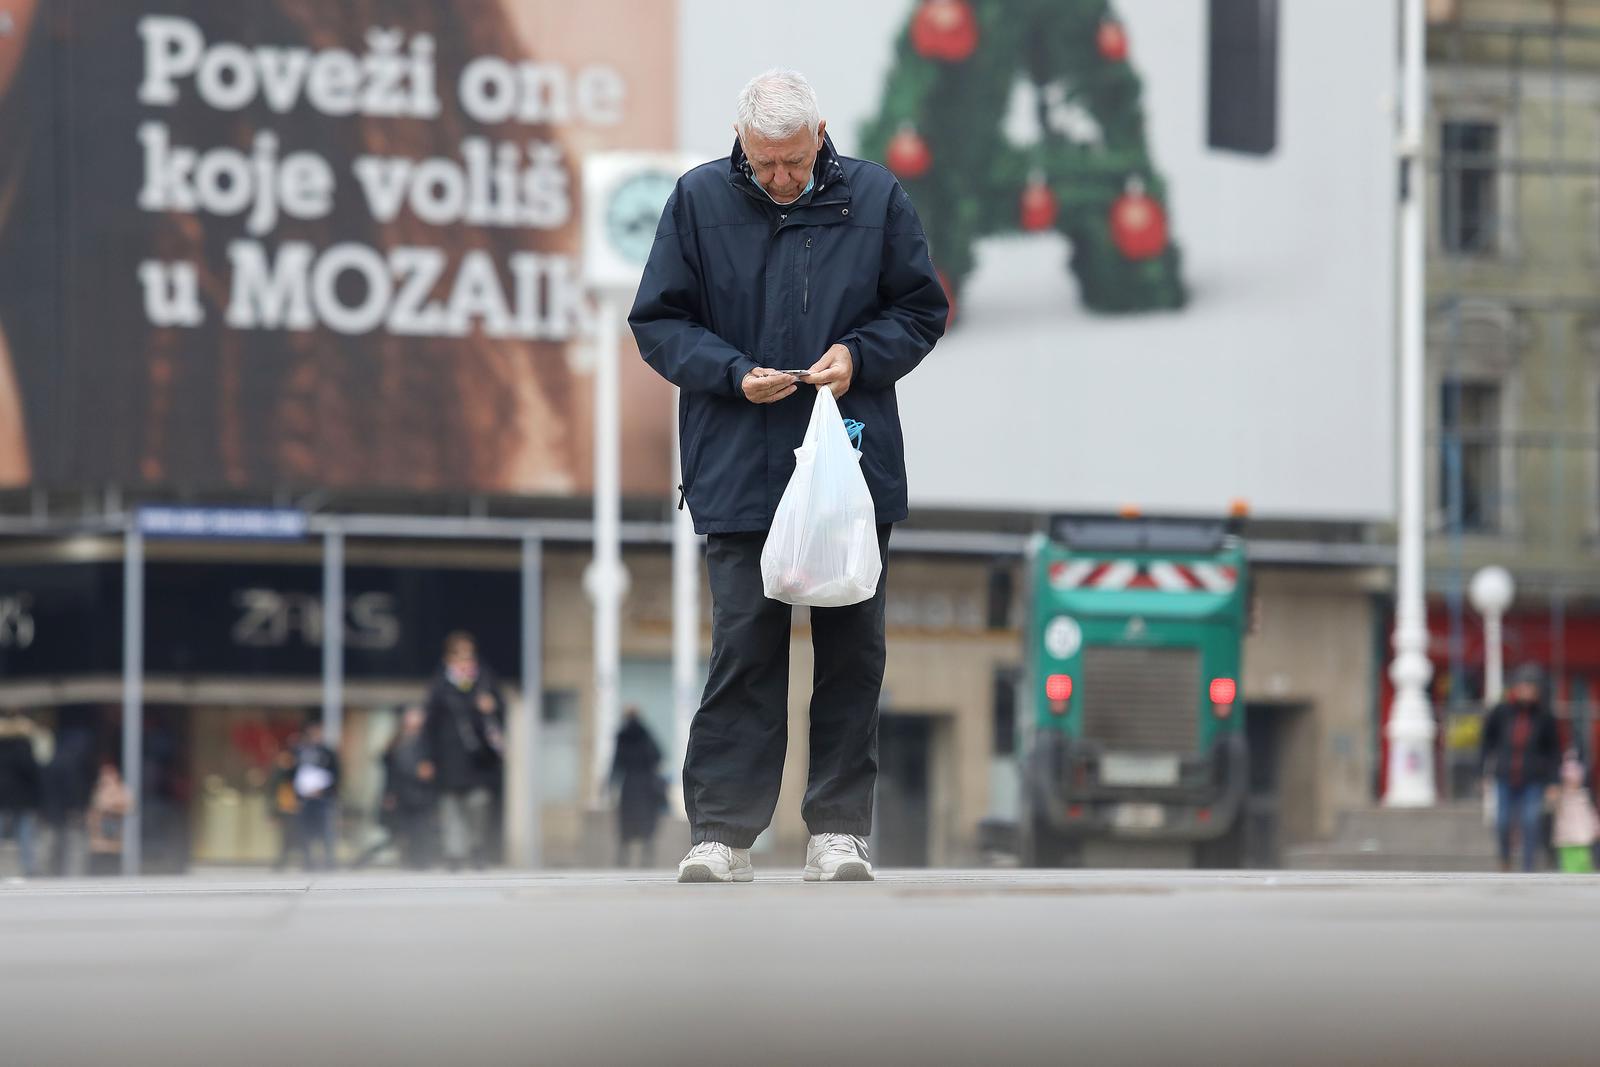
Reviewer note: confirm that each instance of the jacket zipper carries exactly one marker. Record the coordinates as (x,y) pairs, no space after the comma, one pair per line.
(805,298)
(680,497)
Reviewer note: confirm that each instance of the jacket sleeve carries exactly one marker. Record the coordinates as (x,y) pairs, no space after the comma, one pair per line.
(495,722)
(912,302)
(1491,739)
(491,685)
(669,316)
(433,709)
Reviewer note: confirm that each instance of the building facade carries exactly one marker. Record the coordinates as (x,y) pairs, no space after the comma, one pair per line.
(233,667)
(1513,347)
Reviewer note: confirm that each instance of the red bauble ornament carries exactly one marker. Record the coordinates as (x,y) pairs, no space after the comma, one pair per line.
(1112,41)
(1138,224)
(1039,205)
(944,29)
(908,154)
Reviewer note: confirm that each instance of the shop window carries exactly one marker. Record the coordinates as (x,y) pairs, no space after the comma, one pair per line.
(1469,455)
(1002,596)
(1469,188)
(1006,681)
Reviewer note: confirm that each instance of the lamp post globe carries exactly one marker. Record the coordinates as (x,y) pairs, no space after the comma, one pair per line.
(1492,590)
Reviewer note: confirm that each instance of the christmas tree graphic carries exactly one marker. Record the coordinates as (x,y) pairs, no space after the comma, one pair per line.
(1088,174)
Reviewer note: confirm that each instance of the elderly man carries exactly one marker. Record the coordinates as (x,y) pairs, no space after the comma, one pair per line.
(784,265)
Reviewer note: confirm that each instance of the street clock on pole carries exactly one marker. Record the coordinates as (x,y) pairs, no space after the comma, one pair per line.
(623,195)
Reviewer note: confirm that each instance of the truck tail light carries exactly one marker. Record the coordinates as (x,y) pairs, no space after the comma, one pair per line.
(1058,690)
(1223,692)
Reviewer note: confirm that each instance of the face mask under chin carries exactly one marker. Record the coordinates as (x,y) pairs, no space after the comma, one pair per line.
(775,200)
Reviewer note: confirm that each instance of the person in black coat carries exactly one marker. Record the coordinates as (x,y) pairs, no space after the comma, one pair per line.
(464,738)
(19,784)
(316,784)
(409,804)
(66,786)
(1520,759)
(634,769)
(779,270)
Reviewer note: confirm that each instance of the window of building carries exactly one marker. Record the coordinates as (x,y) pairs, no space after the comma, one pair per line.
(1469,468)
(1468,206)
(1006,682)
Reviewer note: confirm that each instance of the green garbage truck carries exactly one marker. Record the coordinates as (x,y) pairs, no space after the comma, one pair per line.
(1132,726)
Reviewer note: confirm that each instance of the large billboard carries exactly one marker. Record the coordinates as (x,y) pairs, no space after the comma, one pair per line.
(282,244)
(1168,227)
(285,244)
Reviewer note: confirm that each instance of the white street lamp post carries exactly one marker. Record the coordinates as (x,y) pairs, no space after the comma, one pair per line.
(1491,592)
(623,197)
(1411,729)
(685,634)
(605,580)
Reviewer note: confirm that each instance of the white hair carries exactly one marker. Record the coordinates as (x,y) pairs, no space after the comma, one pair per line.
(775,105)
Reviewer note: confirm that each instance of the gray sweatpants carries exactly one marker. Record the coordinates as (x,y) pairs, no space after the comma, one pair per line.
(464,822)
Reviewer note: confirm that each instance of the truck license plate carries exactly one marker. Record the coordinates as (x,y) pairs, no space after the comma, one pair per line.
(1138,816)
(1127,768)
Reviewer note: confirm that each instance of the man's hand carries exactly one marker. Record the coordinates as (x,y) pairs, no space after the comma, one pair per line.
(486,703)
(834,369)
(765,385)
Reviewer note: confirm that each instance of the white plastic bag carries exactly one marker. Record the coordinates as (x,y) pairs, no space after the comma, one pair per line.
(822,550)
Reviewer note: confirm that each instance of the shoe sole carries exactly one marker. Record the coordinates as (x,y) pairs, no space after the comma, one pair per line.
(700,873)
(846,872)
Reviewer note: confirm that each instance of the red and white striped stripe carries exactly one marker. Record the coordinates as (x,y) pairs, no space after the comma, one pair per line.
(1164,575)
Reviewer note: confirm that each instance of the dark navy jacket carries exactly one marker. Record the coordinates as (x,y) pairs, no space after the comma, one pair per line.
(735,282)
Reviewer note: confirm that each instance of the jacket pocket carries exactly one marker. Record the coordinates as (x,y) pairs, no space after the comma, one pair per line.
(692,419)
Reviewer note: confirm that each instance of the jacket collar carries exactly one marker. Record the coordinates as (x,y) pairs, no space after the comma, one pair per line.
(828,173)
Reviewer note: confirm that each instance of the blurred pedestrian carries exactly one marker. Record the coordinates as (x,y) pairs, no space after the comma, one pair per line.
(67,783)
(634,769)
(284,804)
(416,804)
(406,810)
(464,741)
(1577,826)
(785,264)
(316,785)
(108,811)
(19,785)
(1520,758)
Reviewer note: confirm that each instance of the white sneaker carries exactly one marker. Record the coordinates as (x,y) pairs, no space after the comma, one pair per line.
(837,858)
(712,861)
